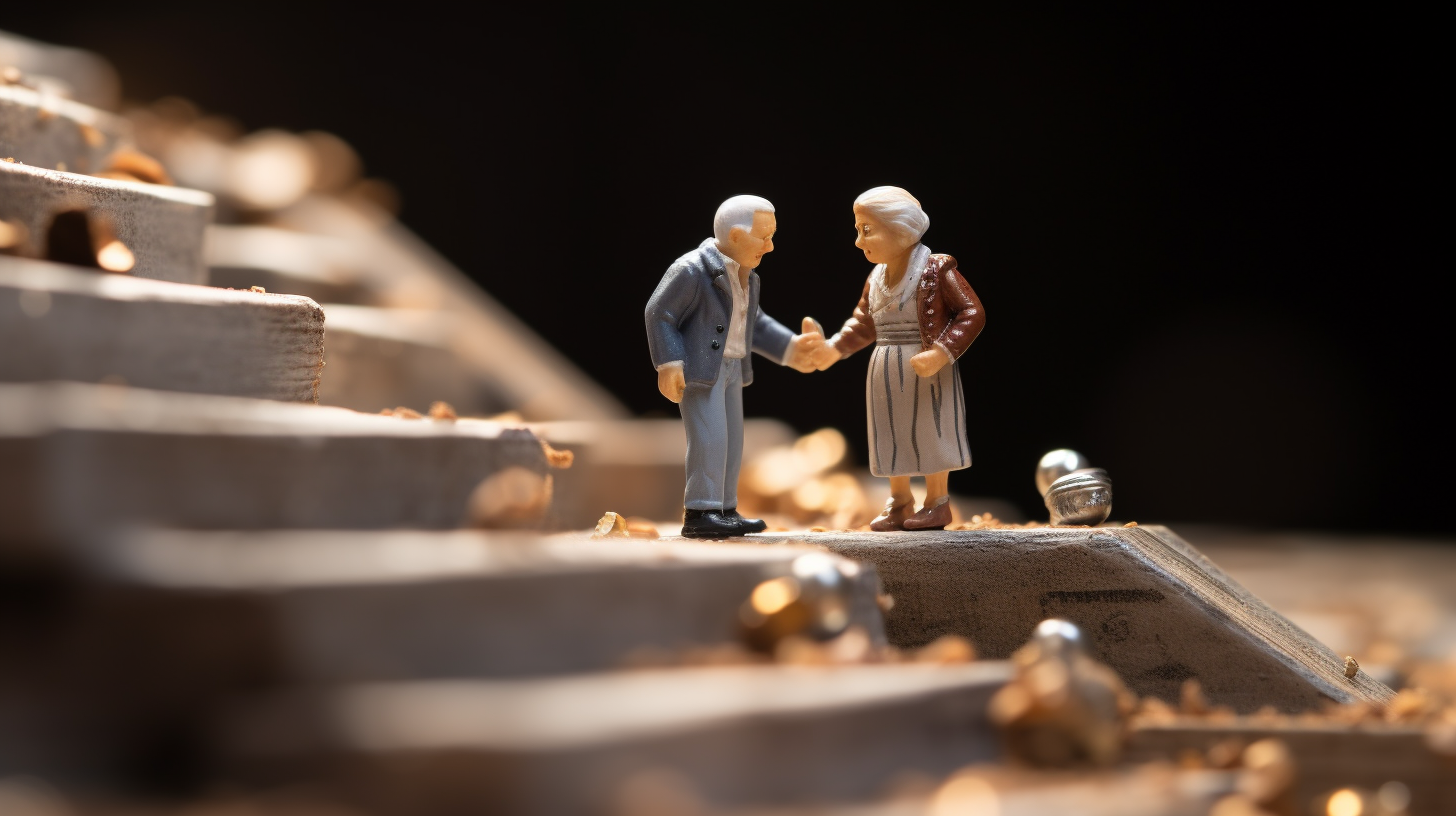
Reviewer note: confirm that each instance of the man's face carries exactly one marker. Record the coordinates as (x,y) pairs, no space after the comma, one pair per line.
(880,245)
(747,247)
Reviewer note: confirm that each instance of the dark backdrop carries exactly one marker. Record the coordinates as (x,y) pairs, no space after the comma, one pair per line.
(1205,241)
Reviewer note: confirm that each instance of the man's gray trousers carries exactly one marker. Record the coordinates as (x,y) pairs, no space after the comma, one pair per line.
(713,418)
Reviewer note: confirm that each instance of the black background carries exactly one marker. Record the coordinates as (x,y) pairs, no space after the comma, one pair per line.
(1206,241)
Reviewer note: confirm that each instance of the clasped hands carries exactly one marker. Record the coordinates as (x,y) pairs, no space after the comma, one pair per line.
(808,351)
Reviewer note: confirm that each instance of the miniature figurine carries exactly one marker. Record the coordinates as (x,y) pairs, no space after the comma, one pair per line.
(702,321)
(922,316)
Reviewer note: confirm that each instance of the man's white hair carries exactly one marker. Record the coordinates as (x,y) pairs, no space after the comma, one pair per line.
(896,209)
(738,212)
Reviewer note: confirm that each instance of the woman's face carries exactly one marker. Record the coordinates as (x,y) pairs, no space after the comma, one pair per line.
(879,244)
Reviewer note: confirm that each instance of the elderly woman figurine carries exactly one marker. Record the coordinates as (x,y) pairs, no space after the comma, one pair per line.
(921,315)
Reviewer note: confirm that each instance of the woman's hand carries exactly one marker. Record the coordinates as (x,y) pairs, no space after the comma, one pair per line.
(826,356)
(927,363)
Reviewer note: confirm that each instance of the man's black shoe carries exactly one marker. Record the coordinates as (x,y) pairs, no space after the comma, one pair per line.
(747,525)
(709,524)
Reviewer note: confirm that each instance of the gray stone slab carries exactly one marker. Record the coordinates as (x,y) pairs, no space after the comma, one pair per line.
(538,379)
(44,130)
(59,322)
(382,358)
(75,459)
(633,467)
(1328,757)
(395,605)
(67,72)
(740,735)
(1154,608)
(329,270)
(162,226)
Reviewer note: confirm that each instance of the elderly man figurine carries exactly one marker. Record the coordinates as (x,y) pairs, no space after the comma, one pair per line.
(702,321)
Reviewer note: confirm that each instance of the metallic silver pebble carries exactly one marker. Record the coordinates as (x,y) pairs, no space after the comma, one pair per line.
(1055,465)
(1081,497)
(826,586)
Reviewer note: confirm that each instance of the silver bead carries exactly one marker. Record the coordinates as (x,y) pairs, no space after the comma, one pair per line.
(1055,465)
(826,584)
(1081,497)
(1059,637)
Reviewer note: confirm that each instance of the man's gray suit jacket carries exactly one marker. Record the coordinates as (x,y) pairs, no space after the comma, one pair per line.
(687,318)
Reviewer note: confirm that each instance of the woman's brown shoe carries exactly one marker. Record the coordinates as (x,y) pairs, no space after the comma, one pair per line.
(934,517)
(893,518)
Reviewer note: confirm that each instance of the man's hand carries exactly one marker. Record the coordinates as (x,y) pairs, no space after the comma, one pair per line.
(926,363)
(826,356)
(803,347)
(670,381)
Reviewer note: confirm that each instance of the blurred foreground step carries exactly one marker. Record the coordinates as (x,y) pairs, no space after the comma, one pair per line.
(1154,608)
(397,605)
(1328,756)
(739,735)
(61,322)
(43,130)
(162,226)
(76,459)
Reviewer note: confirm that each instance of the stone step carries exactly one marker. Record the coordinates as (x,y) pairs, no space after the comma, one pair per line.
(329,270)
(633,467)
(1329,756)
(538,380)
(161,226)
(396,605)
(43,130)
(61,322)
(1156,609)
(65,72)
(383,358)
(145,630)
(739,735)
(75,459)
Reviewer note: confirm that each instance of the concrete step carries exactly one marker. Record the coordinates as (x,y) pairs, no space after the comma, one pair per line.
(161,226)
(397,605)
(739,735)
(383,358)
(326,269)
(1329,756)
(64,72)
(43,130)
(1158,612)
(148,631)
(538,380)
(633,467)
(75,459)
(60,322)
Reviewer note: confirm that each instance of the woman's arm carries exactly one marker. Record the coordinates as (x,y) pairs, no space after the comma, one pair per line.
(968,316)
(858,330)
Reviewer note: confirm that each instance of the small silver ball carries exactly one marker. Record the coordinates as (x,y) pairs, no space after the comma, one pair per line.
(826,586)
(1059,637)
(1081,497)
(1055,465)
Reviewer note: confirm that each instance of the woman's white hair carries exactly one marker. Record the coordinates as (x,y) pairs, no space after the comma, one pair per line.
(896,209)
(738,212)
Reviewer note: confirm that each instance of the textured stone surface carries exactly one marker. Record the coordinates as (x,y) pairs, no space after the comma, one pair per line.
(66,72)
(80,458)
(43,130)
(60,322)
(162,226)
(537,379)
(394,605)
(633,467)
(1328,757)
(1154,608)
(383,358)
(566,745)
(329,270)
